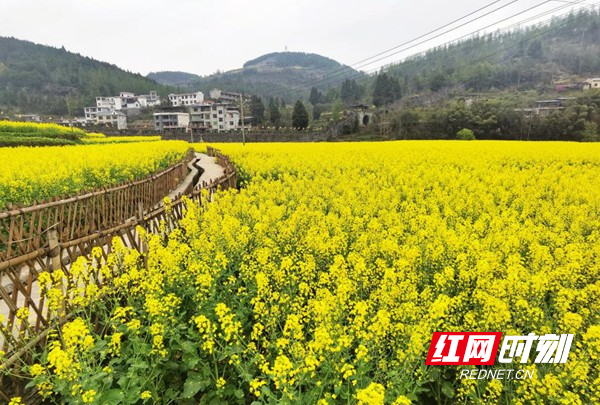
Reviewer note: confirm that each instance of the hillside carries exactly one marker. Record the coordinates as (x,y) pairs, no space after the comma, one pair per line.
(564,51)
(286,75)
(523,84)
(38,79)
(176,79)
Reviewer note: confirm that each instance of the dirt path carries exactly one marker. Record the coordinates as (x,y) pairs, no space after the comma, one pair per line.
(212,170)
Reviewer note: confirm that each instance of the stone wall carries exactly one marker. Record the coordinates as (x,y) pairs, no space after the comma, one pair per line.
(251,137)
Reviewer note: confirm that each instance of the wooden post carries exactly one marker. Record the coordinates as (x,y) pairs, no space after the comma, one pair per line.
(141,212)
(56,258)
(54,252)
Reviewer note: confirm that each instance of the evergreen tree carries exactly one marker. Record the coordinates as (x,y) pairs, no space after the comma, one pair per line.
(274,114)
(315,96)
(257,109)
(317,111)
(535,50)
(351,92)
(438,81)
(331,95)
(336,109)
(386,90)
(299,116)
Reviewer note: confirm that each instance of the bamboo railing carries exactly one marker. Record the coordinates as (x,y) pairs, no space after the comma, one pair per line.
(52,235)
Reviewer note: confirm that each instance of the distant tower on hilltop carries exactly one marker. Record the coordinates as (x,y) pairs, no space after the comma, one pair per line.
(286,48)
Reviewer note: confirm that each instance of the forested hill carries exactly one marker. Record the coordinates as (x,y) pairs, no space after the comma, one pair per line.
(285,75)
(292,60)
(39,79)
(177,79)
(565,50)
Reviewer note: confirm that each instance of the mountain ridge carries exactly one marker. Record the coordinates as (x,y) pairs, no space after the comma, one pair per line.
(276,74)
(42,79)
(173,78)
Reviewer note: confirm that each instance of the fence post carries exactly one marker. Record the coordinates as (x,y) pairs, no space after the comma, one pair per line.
(54,252)
(56,264)
(141,212)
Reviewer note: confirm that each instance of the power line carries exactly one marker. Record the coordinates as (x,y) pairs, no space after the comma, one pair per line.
(356,75)
(361,74)
(424,35)
(494,53)
(359,65)
(336,74)
(462,25)
(343,69)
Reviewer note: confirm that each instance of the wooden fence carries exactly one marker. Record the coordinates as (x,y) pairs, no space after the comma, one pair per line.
(23,231)
(51,236)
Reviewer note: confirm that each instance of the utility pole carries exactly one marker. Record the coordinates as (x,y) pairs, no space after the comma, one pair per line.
(530,122)
(242,116)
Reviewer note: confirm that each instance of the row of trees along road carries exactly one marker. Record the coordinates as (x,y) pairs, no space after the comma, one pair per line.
(299,118)
(577,120)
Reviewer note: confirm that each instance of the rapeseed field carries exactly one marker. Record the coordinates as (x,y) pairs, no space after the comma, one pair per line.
(324,277)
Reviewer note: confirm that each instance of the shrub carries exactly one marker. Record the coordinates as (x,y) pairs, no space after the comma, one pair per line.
(465,134)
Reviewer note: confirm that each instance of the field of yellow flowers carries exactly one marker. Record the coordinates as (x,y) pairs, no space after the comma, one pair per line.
(29,173)
(324,277)
(38,134)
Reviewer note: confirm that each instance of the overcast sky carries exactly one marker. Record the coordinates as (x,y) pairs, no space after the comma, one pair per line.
(202,36)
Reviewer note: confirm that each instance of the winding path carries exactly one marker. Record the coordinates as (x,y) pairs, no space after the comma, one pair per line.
(210,171)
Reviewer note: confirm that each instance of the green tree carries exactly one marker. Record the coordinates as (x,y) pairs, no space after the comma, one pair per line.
(316,97)
(274,114)
(317,111)
(386,90)
(257,109)
(350,92)
(465,134)
(331,95)
(299,116)
(535,50)
(336,109)
(590,132)
(438,81)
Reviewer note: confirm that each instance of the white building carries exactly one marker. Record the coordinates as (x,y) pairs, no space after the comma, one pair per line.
(115,119)
(171,121)
(186,99)
(229,97)
(125,101)
(112,103)
(592,83)
(152,99)
(91,113)
(214,117)
(132,103)
(232,120)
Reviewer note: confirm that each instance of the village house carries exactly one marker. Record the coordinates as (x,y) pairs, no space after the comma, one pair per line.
(91,113)
(228,97)
(126,103)
(592,83)
(186,99)
(151,100)
(544,108)
(169,121)
(115,119)
(214,117)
